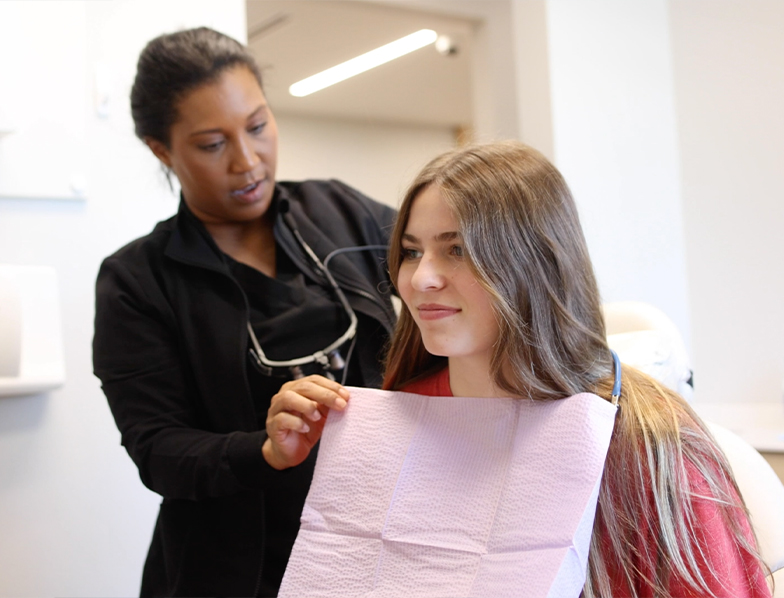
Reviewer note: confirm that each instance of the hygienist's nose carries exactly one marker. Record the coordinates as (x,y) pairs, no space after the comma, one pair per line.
(244,158)
(428,275)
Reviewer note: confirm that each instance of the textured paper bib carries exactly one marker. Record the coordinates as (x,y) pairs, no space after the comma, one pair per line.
(452,496)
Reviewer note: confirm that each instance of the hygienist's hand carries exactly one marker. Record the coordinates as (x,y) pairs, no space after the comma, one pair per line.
(296,418)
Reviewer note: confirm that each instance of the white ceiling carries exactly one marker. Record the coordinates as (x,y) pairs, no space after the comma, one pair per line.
(293,39)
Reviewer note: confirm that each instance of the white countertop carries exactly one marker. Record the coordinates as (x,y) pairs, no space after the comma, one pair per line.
(759,424)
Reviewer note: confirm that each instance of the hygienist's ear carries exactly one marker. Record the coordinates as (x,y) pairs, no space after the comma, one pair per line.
(160,150)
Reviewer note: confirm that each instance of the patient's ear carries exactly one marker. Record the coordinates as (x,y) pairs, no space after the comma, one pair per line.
(160,150)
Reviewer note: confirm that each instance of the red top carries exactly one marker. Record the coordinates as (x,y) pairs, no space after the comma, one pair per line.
(740,574)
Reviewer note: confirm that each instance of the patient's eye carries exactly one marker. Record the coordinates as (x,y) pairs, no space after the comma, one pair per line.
(456,250)
(409,253)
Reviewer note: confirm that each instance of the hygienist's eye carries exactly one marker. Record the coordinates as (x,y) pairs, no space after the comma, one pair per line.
(211,147)
(257,129)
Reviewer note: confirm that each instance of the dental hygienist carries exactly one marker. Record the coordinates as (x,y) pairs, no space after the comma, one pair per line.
(224,337)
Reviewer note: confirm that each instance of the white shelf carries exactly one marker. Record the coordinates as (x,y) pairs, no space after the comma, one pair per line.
(42,197)
(19,387)
(31,343)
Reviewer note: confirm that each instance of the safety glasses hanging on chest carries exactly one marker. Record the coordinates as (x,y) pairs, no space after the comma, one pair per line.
(329,359)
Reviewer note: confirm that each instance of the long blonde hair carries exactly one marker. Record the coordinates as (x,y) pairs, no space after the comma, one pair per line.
(522,239)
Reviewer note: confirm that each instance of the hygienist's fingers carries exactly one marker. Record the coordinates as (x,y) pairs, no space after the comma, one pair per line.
(290,401)
(305,395)
(296,418)
(290,439)
(322,390)
(285,422)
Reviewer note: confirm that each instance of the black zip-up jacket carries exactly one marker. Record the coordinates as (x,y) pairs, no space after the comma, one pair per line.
(170,349)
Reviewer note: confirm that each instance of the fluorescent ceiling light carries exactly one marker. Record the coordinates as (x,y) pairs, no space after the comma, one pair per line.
(365,62)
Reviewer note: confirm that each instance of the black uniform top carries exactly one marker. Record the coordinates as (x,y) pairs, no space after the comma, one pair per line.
(291,317)
(170,349)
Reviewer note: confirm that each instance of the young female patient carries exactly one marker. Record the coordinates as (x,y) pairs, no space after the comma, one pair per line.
(500,300)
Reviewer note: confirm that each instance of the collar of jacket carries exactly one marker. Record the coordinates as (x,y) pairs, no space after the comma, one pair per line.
(191,243)
(357,287)
(348,277)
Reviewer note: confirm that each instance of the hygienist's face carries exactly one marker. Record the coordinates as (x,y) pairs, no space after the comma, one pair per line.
(452,310)
(223,148)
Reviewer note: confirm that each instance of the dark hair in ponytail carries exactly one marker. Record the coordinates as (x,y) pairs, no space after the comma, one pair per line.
(174,64)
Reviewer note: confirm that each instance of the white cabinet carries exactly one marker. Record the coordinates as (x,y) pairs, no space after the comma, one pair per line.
(31,341)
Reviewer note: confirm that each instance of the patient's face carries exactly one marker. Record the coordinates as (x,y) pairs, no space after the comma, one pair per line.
(453,311)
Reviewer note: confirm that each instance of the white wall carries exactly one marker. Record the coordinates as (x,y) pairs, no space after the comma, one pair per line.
(728,60)
(615,140)
(46,151)
(532,74)
(378,159)
(667,123)
(74,518)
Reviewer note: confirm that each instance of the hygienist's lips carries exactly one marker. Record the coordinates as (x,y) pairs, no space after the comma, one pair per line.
(435,311)
(250,193)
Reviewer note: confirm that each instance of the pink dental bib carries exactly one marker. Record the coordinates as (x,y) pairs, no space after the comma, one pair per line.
(452,496)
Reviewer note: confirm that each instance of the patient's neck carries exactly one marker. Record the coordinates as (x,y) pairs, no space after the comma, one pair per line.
(471,378)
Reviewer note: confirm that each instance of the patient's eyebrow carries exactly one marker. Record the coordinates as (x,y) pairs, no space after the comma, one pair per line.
(440,237)
(448,236)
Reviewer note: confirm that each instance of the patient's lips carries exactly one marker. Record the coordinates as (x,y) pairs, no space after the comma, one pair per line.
(436,311)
